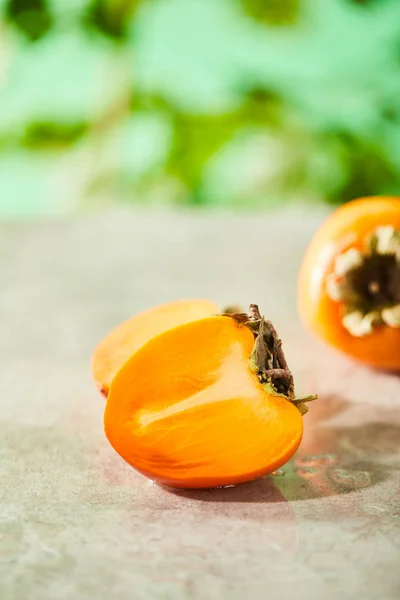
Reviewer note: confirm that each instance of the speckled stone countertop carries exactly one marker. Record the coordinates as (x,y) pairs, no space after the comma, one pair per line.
(78,523)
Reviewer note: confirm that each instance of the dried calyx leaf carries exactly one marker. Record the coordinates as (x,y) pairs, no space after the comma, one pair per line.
(368,283)
(268,359)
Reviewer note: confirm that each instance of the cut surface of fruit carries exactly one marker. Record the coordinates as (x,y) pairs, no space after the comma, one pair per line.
(187,411)
(117,347)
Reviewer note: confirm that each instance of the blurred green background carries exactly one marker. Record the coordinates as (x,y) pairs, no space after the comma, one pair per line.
(214,103)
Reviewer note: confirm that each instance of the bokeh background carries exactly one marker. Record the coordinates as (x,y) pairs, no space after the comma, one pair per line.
(209,103)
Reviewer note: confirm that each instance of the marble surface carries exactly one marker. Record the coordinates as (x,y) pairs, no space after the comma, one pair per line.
(77,522)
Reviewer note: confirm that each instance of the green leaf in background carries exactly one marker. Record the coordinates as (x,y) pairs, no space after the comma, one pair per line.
(273,12)
(368,168)
(262,106)
(111,17)
(244,103)
(31,17)
(197,139)
(366,3)
(43,134)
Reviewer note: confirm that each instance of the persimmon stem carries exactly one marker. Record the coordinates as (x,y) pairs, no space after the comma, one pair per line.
(268,360)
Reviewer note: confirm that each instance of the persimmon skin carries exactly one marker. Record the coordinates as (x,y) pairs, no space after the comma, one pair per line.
(187,412)
(117,347)
(346,228)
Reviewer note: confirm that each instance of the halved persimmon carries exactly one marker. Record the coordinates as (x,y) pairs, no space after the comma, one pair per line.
(209,403)
(119,345)
(349,284)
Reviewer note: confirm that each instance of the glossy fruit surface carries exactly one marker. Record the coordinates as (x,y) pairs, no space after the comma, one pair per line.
(115,349)
(345,235)
(187,410)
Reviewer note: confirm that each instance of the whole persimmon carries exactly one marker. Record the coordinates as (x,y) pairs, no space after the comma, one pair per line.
(119,345)
(208,403)
(349,283)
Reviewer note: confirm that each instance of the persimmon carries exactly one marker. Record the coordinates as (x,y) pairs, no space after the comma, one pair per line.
(349,283)
(209,403)
(112,352)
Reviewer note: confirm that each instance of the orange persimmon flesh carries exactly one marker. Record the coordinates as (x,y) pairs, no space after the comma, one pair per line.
(119,345)
(187,411)
(347,227)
